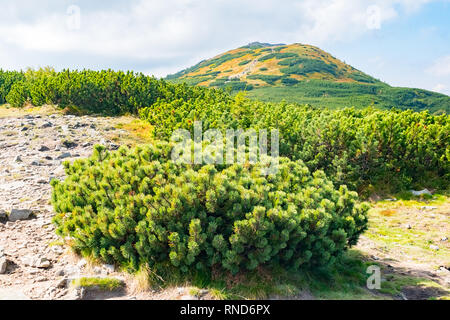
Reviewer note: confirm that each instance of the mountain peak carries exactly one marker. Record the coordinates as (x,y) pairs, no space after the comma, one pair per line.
(264,64)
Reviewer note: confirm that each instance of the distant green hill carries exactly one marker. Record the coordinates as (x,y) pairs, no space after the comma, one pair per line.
(304,74)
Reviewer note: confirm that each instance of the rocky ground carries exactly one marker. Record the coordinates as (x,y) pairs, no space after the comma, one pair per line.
(33,261)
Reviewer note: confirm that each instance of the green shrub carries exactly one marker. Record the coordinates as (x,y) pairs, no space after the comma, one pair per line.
(135,207)
(7,80)
(278,55)
(289,81)
(270,79)
(242,63)
(358,148)
(102,92)
(304,66)
(18,94)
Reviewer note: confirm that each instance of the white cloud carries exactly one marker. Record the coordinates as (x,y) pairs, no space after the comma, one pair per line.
(161,37)
(155,29)
(441,67)
(442,88)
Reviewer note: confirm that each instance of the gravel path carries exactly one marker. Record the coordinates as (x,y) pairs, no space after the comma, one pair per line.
(32,149)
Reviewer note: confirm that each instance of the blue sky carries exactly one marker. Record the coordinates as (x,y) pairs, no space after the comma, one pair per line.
(402,42)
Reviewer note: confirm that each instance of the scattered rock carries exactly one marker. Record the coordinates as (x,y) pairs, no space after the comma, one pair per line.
(64,155)
(421,192)
(98,270)
(19,214)
(48,124)
(36,262)
(444,239)
(82,263)
(428,208)
(69,144)
(3,265)
(58,250)
(61,283)
(43,263)
(18,159)
(60,273)
(109,268)
(434,247)
(44,148)
(41,279)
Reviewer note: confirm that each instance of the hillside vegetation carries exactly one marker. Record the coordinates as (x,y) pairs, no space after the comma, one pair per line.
(367,150)
(304,74)
(216,224)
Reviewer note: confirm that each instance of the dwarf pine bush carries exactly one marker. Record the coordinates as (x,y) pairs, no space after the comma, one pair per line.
(136,207)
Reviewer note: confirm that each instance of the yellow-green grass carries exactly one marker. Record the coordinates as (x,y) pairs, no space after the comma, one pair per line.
(138,131)
(6,111)
(103,284)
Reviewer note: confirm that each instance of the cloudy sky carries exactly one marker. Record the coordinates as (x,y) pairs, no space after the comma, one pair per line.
(402,42)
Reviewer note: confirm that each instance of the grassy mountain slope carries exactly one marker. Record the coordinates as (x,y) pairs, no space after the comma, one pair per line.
(305,74)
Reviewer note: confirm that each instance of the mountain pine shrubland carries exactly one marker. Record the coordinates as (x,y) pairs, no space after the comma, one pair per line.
(134,207)
(363,149)
(102,92)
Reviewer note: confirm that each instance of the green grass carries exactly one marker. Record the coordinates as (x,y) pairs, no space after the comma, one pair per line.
(395,284)
(339,95)
(345,280)
(104,284)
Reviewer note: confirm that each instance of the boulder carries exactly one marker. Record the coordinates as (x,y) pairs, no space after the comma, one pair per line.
(421,192)
(19,214)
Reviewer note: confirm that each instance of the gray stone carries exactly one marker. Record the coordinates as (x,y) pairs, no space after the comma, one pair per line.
(60,273)
(64,155)
(3,265)
(43,148)
(428,208)
(42,263)
(434,247)
(109,267)
(47,125)
(82,263)
(421,192)
(18,159)
(19,214)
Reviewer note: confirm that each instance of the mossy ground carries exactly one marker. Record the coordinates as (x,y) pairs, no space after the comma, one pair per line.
(103,284)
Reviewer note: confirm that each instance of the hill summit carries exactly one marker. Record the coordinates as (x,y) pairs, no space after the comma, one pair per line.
(305,74)
(263,64)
